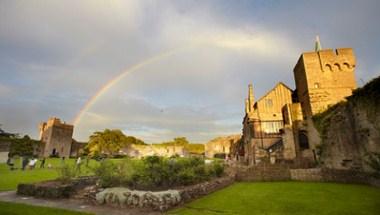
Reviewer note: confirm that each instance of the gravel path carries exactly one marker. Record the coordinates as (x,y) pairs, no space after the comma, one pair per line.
(72,204)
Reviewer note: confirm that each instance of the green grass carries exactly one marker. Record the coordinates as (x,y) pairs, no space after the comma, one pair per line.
(10,179)
(21,209)
(288,198)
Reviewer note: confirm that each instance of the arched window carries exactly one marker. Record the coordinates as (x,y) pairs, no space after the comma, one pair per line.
(317,85)
(303,140)
(336,67)
(347,66)
(328,67)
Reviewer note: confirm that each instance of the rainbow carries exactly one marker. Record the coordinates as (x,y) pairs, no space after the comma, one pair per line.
(115,80)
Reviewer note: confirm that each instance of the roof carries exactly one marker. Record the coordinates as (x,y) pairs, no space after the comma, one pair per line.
(278,84)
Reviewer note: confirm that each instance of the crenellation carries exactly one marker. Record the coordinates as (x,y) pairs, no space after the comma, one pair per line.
(56,137)
(280,126)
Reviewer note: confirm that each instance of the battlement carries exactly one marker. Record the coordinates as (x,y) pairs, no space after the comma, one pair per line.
(57,137)
(341,59)
(55,122)
(324,78)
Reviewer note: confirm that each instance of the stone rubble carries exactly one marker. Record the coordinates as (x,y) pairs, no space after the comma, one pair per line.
(124,197)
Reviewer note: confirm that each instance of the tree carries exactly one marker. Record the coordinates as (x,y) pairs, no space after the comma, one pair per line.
(23,146)
(134,140)
(180,141)
(4,134)
(107,142)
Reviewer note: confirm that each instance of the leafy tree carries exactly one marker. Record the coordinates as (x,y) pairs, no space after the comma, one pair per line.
(108,142)
(180,141)
(23,146)
(5,135)
(134,140)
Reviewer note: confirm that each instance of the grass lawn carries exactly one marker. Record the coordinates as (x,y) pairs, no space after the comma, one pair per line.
(288,198)
(10,179)
(21,209)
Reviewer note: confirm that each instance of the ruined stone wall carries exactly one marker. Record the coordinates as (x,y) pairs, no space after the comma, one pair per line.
(77,148)
(334,175)
(135,150)
(351,130)
(348,135)
(221,145)
(264,172)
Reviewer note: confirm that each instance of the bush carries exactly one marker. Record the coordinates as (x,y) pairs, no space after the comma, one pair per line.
(107,173)
(374,162)
(186,176)
(218,169)
(156,172)
(67,172)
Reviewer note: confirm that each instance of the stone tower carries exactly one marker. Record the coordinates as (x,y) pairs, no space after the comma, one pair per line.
(323,78)
(249,102)
(56,137)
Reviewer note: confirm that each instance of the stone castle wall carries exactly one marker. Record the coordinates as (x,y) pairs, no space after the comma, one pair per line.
(279,172)
(263,172)
(324,78)
(56,137)
(221,145)
(153,149)
(334,175)
(348,136)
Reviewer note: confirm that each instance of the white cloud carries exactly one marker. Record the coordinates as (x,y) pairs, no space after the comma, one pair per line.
(55,55)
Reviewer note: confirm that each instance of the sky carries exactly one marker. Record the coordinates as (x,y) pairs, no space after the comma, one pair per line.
(173,68)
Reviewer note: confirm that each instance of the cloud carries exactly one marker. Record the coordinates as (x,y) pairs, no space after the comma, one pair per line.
(5,91)
(55,55)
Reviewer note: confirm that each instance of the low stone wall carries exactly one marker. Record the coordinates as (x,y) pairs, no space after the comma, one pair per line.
(278,172)
(161,201)
(264,172)
(195,191)
(54,189)
(334,175)
(314,174)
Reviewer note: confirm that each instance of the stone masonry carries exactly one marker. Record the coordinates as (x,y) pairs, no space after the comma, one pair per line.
(56,137)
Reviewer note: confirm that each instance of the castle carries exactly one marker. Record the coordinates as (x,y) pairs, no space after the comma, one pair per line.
(56,138)
(279,127)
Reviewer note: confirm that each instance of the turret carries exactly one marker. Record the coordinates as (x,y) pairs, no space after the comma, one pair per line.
(318,46)
(251,98)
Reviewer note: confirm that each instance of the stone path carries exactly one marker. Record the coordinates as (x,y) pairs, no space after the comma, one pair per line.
(72,204)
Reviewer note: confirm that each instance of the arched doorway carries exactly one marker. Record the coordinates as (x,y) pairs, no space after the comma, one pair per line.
(303,140)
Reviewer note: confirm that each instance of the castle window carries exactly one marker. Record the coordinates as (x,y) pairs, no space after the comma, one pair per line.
(346,65)
(316,85)
(328,66)
(337,66)
(269,103)
(303,140)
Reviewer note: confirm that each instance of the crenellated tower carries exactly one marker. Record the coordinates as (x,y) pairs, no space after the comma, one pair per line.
(324,77)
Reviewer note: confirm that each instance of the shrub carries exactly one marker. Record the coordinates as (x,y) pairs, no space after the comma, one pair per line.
(107,173)
(67,172)
(218,169)
(374,162)
(186,176)
(156,172)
